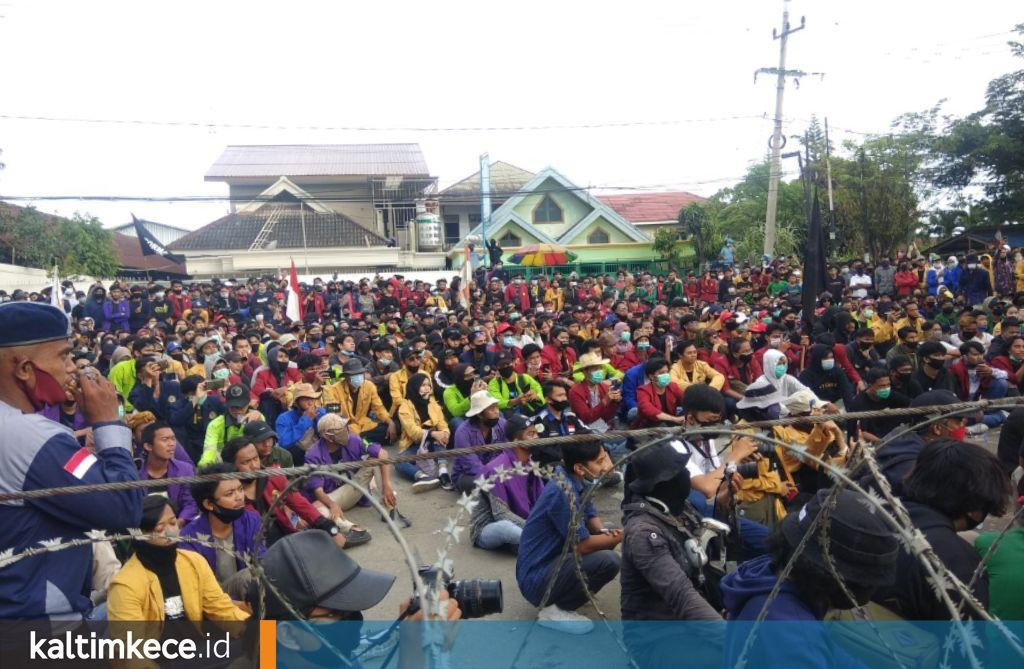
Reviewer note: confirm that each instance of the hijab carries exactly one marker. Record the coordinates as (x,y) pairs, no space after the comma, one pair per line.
(412,393)
(766,390)
(459,376)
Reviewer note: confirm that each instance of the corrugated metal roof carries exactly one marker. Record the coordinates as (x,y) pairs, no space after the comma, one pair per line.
(649,207)
(297,160)
(238,230)
(506,179)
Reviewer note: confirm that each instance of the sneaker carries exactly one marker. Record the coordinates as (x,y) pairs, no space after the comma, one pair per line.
(561,620)
(425,483)
(356,537)
(446,481)
(977,428)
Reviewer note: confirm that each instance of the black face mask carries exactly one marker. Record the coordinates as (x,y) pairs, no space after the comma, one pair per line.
(911,345)
(673,492)
(967,336)
(947,310)
(506,372)
(935,364)
(490,422)
(560,405)
(481,348)
(865,345)
(227,515)
(746,357)
(731,325)
(790,325)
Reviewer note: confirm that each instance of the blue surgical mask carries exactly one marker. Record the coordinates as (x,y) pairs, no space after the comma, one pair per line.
(643,345)
(508,342)
(597,376)
(780,370)
(355,380)
(221,373)
(828,365)
(624,335)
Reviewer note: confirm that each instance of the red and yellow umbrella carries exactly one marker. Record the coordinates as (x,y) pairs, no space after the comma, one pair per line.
(542,255)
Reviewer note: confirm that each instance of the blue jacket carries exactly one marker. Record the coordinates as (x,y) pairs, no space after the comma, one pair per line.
(931,278)
(951,277)
(292,424)
(801,642)
(976,285)
(172,406)
(35,453)
(243,533)
(633,379)
(115,316)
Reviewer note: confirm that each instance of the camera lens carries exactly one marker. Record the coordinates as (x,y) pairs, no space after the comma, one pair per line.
(765,449)
(477,597)
(747,470)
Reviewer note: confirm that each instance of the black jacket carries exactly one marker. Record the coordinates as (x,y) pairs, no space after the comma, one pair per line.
(944,380)
(912,596)
(655,577)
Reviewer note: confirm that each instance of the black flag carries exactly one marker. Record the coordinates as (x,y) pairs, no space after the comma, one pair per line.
(151,246)
(814,263)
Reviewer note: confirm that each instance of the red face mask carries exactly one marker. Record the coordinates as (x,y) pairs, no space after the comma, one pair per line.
(960,433)
(47,390)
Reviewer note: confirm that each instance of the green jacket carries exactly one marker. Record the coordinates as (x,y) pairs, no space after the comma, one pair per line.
(609,372)
(122,375)
(455,402)
(522,383)
(216,437)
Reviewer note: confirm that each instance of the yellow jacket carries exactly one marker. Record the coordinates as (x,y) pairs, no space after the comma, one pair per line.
(815,441)
(413,427)
(883,329)
(358,411)
(556,296)
(767,482)
(905,322)
(1018,271)
(396,387)
(702,373)
(135,595)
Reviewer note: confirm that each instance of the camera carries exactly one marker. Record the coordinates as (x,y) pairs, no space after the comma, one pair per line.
(476,597)
(747,470)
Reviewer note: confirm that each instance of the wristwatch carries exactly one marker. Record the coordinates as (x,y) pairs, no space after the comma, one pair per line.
(334,530)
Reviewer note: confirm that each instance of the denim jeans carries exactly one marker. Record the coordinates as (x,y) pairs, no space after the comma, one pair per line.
(599,568)
(499,534)
(996,390)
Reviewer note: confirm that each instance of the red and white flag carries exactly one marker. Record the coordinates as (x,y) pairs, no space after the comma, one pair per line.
(293,307)
(80,462)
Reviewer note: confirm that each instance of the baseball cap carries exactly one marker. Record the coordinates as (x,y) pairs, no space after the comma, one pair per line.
(258,430)
(236,396)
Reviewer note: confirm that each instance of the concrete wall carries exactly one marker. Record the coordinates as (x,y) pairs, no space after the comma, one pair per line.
(15,277)
(322,261)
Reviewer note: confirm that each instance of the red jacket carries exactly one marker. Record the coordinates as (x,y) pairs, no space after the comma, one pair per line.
(555,363)
(708,289)
(179,304)
(293,502)
(905,282)
(623,361)
(265,381)
(692,291)
(963,384)
(727,367)
(649,403)
(579,400)
(843,360)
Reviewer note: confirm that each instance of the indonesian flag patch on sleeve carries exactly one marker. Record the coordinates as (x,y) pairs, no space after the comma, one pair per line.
(80,462)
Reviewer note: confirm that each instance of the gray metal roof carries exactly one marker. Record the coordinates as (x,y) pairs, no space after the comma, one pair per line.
(297,160)
(238,230)
(506,179)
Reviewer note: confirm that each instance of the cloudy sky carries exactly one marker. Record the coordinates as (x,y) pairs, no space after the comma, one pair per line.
(415,71)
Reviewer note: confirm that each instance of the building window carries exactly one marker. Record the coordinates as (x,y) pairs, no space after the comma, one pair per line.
(510,241)
(547,211)
(598,236)
(451,229)
(474,220)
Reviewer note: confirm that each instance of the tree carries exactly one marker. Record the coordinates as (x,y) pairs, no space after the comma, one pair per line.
(983,149)
(87,248)
(79,245)
(671,247)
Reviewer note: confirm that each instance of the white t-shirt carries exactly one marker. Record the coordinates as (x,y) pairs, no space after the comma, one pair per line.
(703,460)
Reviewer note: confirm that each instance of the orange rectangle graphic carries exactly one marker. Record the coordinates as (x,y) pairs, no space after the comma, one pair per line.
(268,644)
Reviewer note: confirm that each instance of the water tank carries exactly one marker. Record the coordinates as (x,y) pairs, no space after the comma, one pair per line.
(429,235)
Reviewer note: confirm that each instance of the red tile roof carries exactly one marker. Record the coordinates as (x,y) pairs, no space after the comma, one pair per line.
(650,207)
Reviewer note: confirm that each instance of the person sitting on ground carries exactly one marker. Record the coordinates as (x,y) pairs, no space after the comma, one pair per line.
(159,445)
(660,400)
(933,374)
(975,379)
(293,514)
(952,488)
(160,583)
(501,511)
(227,425)
(688,369)
(457,396)
(225,521)
(825,378)
(821,439)
(297,426)
(546,531)
(360,402)
(1012,362)
(877,396)
(762,399)
(862,549)
(517,393)
(1005,579)
(593,399)
(901,375)
(424,430)
(331,497)
(483,425)
(264,439)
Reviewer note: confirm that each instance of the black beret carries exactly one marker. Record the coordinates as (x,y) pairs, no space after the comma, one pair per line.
(27,323)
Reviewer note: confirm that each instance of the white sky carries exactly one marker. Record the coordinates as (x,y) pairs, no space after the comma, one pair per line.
(459,64)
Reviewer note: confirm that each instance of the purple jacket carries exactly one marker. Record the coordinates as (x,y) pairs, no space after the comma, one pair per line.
(177,493)
(244,530)
(115,316)
(356,449)
(469,435)
(52,411)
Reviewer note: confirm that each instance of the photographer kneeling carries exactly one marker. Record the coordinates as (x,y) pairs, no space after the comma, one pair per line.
(323,584)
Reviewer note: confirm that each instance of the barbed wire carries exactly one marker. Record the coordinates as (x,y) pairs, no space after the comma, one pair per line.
(611,435)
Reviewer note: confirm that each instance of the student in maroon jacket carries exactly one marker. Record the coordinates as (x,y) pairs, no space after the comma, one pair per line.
(660,400)
(293,514)
(593,399)
(557,358)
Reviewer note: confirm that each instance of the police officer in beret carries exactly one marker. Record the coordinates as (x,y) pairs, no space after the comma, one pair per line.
(36,370)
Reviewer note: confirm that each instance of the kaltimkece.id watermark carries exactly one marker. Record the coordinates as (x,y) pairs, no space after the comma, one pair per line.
(92,646)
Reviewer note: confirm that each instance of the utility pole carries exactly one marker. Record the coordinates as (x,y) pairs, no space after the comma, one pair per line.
(777,140)
(485,202)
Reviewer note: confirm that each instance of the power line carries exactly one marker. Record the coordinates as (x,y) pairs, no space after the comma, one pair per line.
(205,125)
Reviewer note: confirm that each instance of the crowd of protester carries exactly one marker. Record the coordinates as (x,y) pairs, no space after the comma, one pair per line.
(213,377)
